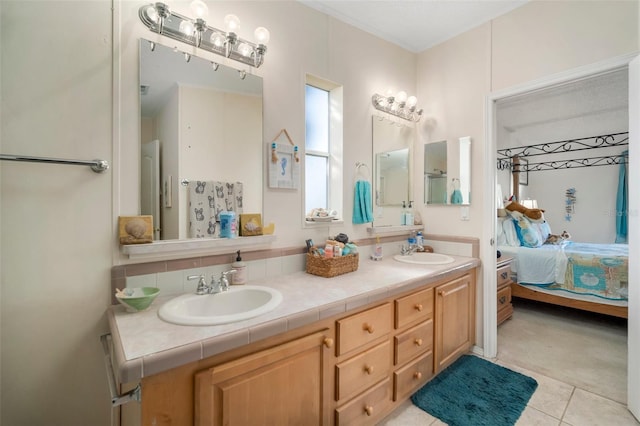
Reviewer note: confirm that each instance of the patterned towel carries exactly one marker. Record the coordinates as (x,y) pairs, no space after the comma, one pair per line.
(206,200)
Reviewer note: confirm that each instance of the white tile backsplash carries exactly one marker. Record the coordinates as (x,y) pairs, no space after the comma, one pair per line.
(170,282)
(148,280)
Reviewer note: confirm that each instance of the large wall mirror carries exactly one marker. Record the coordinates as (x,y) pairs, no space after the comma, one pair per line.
(447,172)
(200,121)
(392,145)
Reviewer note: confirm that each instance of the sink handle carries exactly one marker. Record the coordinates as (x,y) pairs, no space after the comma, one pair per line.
(202,284)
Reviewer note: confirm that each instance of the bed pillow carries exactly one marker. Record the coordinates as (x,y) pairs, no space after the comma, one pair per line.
(510,235)
(544,229)
(528,234)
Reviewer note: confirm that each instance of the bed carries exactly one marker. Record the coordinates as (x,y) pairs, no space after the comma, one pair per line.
(587,276)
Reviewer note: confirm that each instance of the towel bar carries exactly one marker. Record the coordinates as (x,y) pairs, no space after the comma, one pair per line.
(116,400)
(97,166)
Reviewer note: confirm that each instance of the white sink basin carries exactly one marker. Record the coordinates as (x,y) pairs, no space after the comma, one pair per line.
(237,304)
(421,258)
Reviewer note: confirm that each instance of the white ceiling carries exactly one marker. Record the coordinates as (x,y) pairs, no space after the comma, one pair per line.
(415,25)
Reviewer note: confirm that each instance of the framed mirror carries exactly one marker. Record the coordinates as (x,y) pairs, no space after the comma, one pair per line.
(447,172)
(392,147)
(199,121)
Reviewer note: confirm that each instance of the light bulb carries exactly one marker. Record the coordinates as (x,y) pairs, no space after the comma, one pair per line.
(245,49)
(152,14)
(401,97)
(217,39)
(412,101)
(199,9)
(231,23)
(262,35)
(186,27)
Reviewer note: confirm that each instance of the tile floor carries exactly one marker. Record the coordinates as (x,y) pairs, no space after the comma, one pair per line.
(558,402)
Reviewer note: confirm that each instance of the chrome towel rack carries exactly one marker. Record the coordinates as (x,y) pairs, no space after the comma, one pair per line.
(117,399)
(97,166)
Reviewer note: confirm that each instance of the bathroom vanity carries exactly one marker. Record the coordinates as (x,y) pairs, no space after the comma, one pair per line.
(345,350)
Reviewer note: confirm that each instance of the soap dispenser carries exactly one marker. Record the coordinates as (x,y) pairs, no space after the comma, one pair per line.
(408,217)
(240,276)
(403,214)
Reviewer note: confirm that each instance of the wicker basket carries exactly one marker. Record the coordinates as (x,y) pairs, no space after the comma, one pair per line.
(332,266)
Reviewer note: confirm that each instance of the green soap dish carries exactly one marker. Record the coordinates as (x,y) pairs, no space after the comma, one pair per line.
(138,298)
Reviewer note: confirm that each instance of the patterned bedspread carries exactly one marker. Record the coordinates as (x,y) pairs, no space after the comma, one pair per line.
(594,269)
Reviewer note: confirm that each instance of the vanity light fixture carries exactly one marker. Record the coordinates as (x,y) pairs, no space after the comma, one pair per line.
(160,19)
(399,105)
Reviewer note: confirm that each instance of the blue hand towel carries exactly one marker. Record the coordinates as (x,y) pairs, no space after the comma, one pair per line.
(362,211)
(456,197)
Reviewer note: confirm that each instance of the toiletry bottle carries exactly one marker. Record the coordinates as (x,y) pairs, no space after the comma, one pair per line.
(412,239)
(419,239)
(377,250)
(227,224)
(240,276)
(408,217)
(403,214)
(328,250)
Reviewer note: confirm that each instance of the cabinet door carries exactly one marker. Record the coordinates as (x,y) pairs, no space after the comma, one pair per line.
(287,384)
(455,320)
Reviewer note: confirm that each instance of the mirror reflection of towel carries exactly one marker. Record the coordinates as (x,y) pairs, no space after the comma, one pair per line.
(206,200)
(362,210)
(456,197)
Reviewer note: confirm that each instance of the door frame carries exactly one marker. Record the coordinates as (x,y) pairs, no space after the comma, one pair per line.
(488,257)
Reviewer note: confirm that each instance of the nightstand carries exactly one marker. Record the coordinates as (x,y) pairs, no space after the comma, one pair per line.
(505,308)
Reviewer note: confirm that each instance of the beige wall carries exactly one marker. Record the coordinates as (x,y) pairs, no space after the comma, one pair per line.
(57,226)
(56,233)
(534,41)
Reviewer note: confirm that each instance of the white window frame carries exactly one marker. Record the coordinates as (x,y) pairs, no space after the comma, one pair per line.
(335,167)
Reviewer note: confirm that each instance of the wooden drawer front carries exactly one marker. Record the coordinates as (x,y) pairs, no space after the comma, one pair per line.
(416,306)
(410,378)
(360,329)
(504,297)
(362,371)
(412,342)
(367,408)
(504,275)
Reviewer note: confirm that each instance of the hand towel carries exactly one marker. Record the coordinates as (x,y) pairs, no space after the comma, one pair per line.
(202,213)
(227,196)
(456,197)
(362,210)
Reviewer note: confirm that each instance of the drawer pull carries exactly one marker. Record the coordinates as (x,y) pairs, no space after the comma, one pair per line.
(328,342)
(417,375)
(368,410)
(418,307)
(369,328)
(503,299)
(368,369)
(418,342)
(504,275)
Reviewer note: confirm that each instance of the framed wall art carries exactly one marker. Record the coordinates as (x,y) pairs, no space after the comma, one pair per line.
(284,164)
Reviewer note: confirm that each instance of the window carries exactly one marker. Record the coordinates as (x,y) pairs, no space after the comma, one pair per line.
(323,146)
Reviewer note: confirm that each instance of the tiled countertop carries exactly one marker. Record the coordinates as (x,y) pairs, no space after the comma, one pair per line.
(145,345)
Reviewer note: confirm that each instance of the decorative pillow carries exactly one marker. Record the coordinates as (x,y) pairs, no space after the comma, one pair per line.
(544,229)
(510,234)
(528,234)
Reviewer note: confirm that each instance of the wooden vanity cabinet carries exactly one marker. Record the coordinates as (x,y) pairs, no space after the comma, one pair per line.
(454,320)
(280,385)
(381,355)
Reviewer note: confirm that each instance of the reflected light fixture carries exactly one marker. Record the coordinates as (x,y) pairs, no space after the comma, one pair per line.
(399,105)
(160,19)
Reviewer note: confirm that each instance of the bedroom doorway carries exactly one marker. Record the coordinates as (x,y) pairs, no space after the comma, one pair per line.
(622,64)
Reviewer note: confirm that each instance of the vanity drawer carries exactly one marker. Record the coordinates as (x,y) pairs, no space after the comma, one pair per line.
(360,329)
(367,408)
(412,342)
(409,378)
(504,275)
(362,371)
(416,306)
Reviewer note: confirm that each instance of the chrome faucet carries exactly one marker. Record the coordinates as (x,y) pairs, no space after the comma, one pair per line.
(409,249)
(203,288)
(224,280)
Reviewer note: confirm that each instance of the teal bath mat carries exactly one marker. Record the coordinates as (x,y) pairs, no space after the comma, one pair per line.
(476,392)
